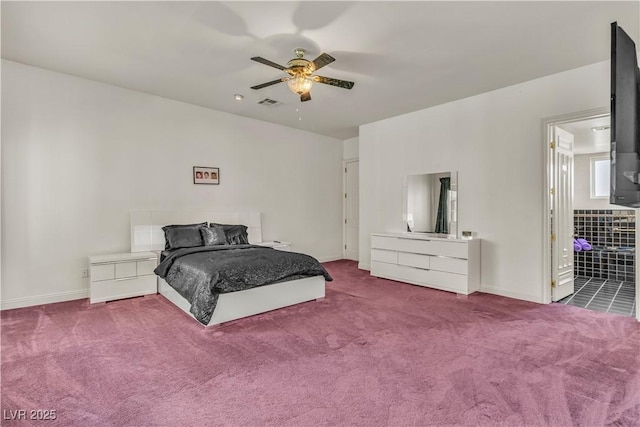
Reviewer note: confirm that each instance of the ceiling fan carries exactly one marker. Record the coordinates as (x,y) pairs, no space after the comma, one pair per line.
(301,76)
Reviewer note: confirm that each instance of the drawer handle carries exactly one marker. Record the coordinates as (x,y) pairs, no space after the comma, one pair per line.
(126,278)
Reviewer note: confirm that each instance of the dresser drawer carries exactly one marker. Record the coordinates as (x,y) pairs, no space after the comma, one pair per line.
(384,256)
(384,269)
(414,260)
(126,269)
(102,272)
(433,247)
(145,268)
(451,265)
(435,279)
(429,278)
(383,242)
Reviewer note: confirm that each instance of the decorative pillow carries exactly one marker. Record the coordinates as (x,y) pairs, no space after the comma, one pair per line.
(183,236)
(235,234)
(213,235)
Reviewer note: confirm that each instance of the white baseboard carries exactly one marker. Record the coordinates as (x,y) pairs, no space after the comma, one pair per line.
(329,259)
(363,266)
(43,299)
(509,294)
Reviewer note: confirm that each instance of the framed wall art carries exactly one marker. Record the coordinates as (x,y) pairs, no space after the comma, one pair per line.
(206,175)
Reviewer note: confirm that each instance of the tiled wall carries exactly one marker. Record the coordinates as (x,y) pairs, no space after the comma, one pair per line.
(612,237)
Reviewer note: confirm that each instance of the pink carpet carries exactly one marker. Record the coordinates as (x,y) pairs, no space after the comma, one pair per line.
(373,352)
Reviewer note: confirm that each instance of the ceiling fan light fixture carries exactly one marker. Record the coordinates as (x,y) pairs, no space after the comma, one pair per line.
(300,74)
(300,84)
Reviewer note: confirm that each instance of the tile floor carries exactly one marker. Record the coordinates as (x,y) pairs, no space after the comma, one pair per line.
(611,296)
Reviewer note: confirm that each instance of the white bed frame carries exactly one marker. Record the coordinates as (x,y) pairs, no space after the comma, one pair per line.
(147,235)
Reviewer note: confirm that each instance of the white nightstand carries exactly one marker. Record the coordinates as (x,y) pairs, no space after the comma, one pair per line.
(124,275)
(281,246)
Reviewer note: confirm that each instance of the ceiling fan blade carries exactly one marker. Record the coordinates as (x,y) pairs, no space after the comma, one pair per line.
(322,60)
(333,82)
(273,82)
(267,62)
(305,97)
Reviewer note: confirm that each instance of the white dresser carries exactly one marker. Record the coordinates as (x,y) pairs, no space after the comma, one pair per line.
(125,275)
(447,264)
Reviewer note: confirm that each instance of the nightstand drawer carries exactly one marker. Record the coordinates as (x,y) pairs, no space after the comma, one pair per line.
(124,288)
(102,272)
(281,246)
(146,268)
(126,269)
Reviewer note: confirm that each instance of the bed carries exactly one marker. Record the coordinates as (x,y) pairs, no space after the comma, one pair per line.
(290,288)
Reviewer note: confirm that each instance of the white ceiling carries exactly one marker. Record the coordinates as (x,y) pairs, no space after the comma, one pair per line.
(402,56)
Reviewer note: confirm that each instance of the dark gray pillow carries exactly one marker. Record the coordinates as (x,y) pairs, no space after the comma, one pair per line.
(213,235)
(183,236)
(235,234)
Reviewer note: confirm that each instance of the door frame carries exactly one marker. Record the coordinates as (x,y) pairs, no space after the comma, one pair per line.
(344,204)
(547,125)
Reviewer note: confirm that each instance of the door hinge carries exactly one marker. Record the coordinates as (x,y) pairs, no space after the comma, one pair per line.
(553,237)
(345,170)
(345,220)
(345,195)
(552,144)
(553,283)
(345,246)
(553,191)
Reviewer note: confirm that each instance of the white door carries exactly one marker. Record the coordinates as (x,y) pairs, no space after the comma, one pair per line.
(562,215)
(351,203)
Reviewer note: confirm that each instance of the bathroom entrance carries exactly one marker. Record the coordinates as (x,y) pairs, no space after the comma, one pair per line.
(592,243)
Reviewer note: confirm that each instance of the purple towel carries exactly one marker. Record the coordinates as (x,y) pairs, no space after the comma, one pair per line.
(583,244)
(577,247)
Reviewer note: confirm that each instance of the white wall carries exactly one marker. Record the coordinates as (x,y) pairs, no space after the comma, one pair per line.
(78,156)
(494,141)
(350,148)
(582,184)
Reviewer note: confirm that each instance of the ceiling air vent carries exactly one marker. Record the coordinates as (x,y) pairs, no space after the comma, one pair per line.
(268,102)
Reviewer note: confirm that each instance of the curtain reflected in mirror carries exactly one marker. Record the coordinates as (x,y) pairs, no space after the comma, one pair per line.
(442,219)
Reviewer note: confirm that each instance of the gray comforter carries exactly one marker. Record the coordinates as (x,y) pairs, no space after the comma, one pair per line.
(200,274)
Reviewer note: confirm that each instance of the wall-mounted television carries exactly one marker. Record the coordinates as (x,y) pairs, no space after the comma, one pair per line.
(625,123)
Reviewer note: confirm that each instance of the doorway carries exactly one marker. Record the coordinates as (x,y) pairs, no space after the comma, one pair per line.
(590,246)
(351,225)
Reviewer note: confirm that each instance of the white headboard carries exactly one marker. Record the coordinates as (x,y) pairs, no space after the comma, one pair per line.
(146,226)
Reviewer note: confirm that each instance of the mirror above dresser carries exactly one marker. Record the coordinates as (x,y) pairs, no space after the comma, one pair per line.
(430,204)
